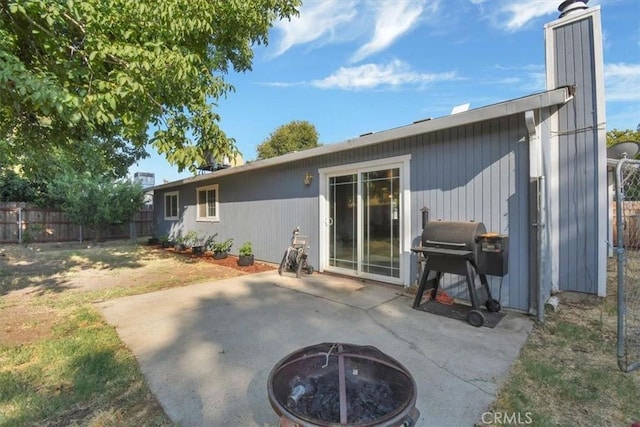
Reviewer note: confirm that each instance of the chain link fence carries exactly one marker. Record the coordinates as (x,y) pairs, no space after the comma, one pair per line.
(627,242)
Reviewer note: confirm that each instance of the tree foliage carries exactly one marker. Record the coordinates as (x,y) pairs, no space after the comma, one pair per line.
(297,135)
(15,188)
(96,202)
(74,72)
(616,136)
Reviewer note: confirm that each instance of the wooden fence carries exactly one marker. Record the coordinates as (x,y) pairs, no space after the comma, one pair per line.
(631,215)
(23,222)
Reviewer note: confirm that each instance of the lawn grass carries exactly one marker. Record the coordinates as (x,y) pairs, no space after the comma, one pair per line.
(82,374)
(567,372)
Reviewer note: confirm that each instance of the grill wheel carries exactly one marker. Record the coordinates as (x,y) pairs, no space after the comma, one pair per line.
(475,318)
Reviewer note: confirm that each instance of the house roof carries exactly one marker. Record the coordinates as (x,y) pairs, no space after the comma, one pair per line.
(506,108)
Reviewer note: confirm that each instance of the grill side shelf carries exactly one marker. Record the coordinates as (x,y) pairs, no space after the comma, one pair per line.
(442,251)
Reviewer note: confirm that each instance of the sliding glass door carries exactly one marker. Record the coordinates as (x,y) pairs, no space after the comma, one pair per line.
(343,224)
(363,223)
(380,222)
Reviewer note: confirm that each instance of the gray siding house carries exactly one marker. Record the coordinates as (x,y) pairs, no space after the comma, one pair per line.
(533,168)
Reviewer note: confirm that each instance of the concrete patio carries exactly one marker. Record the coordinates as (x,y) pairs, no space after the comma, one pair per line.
(206,350)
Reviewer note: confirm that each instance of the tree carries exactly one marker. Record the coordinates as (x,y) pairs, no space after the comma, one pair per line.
(96,202)
(616,136)
(297,135)
(14,188)
(74,71)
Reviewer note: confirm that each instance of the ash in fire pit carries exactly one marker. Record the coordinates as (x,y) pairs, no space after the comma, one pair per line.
(342,384)
(367,400)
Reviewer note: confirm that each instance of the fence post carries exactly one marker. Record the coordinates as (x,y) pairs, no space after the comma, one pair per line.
(627,326)
(19,225)
(133,233)
(620,263)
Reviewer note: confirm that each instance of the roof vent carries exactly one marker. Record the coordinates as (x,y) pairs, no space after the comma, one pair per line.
(568,7)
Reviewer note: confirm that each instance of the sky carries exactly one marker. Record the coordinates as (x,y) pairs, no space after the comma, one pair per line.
(355,66)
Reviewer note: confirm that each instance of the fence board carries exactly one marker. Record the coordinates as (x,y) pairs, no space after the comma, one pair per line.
(50,225)
(631,213)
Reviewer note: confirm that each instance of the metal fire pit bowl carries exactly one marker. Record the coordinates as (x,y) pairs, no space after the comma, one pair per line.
(333,384)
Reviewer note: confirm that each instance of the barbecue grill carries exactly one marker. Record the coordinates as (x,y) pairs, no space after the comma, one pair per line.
(466,249)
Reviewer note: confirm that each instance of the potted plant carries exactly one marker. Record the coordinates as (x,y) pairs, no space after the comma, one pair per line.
(199,244)
(191,239)
(180,244)
(221,249)
(245,257)
(166,242)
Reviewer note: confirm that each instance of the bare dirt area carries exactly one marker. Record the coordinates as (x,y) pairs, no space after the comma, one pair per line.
(57,268)
(22,324)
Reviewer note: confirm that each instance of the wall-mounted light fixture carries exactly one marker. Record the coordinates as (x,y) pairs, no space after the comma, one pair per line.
(307,178)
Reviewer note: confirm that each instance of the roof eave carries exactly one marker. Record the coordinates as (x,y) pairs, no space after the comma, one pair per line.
(531,102)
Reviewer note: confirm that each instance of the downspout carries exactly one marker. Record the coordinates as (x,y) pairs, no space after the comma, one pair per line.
(535,174)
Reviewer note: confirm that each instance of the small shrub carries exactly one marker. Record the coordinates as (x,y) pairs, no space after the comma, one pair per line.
(246,249)
(222,246)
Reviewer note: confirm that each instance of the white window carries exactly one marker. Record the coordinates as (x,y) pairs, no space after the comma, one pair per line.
(171,205)
(208,203)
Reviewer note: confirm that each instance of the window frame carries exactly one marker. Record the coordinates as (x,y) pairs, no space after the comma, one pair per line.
(175,194)
(216,206)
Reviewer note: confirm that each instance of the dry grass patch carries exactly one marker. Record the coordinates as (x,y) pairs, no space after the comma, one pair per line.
(60,363)
(567,372)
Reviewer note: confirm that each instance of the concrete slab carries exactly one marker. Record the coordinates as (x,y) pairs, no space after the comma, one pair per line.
(207,349)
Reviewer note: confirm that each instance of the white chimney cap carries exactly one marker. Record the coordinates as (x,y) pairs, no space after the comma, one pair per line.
(570,6)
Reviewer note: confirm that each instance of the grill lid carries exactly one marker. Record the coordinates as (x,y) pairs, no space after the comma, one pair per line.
(452,235)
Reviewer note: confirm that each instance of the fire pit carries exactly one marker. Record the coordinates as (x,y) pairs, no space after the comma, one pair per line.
(342,384)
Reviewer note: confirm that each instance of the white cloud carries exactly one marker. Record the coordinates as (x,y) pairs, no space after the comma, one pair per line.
(393,18)
(368,76)
(517,14)
(331,21)
(512,15)
(622,82)
(318,19)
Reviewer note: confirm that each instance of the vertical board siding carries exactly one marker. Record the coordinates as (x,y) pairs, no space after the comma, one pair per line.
(476,172)
(578,147)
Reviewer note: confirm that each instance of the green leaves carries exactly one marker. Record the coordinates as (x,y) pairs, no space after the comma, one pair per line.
(71,71)
(294,136)
(616,136)
(96,202)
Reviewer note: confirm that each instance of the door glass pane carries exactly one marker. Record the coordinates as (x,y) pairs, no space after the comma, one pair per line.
(343,200)
(380,222)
